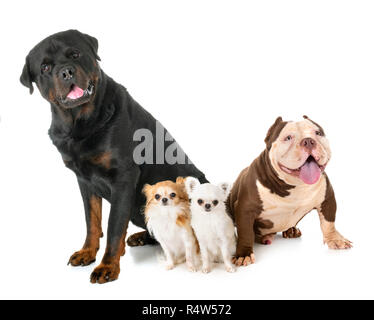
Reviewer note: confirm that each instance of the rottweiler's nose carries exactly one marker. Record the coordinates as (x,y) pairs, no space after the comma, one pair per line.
(208,206)
(308,143)
(164,200)
(67,73)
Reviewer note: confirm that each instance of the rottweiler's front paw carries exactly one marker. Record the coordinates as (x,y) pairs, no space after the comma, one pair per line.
(83,257)
(105,273)
(140,239)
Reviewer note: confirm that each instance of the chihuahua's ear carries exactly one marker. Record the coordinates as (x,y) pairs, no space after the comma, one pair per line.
(180,180)
(191,183)
(226,188)
(25,78)
(146,189)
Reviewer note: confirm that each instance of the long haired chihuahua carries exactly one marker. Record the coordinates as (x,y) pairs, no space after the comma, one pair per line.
(168,219)
(213,227)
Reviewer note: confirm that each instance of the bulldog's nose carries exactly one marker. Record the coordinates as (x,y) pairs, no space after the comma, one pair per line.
(67,73)
(164,200)
(308,143)
(208,206)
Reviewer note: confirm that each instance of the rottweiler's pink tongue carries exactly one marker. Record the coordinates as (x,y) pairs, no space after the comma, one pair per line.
(310,172)
(75,92)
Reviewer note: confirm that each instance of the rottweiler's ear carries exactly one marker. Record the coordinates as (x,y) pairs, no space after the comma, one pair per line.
(273,132)
(191,183)
(94,45)
(26,76)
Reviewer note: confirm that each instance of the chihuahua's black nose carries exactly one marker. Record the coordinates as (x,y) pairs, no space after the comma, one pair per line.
(67,73)
(164,200)
(208,206)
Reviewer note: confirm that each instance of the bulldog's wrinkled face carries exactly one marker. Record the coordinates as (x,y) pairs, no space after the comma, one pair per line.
(300,152)
(65,69)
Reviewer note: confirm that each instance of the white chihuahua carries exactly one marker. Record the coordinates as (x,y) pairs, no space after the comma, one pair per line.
(214,228)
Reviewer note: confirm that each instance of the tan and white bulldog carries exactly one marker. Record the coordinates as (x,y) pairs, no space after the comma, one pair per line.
(281,186)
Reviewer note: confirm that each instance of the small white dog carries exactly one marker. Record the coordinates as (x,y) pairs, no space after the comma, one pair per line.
(213,227)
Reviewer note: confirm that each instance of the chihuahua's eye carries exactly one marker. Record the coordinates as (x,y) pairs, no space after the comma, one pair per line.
(75,54)
(319,133)
(200,201)
(45,67)
(215,202)
(288,138)
(157,196)
(172,195)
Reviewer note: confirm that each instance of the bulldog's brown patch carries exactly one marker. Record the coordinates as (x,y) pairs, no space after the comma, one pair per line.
(320,129)
(103,159)
(328,206)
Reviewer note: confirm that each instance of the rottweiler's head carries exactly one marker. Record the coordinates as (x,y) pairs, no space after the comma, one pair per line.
(65,69)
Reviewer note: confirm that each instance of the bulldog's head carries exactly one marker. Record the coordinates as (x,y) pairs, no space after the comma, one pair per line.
(298,151)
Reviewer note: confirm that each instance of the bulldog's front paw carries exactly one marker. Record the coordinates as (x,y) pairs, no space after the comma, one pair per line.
(83,257)
(244,261)
(337,241)
(105,273)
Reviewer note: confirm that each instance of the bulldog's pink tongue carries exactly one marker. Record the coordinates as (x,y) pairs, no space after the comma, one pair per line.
(310,172)
(75,93)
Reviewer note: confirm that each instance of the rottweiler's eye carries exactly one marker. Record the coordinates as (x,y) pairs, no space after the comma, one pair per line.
(200,202)
(75,55)
(45,67)
(215,202)
(172,195)
(288,138)
(319,133)
(157,196)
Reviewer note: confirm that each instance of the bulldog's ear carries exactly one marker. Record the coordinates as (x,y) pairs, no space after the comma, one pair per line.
(274,131)
(191,183)
(226,187)
(93,43)
(25,78)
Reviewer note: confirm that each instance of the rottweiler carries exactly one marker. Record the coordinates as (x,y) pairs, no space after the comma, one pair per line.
(97,127)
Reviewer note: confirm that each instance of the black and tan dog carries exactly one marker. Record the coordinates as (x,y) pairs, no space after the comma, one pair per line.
(93,124)
(282,185)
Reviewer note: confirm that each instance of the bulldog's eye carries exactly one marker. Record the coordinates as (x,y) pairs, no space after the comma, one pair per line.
(157,196)
(172,195)
(288,138)
(319,133)
(200,202)
(215,202)
(45,67)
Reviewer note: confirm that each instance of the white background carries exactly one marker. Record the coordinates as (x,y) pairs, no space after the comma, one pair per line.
(216,74)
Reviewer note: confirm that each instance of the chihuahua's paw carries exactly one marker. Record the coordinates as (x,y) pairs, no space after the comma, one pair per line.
(206,269)
(169,265)
(230,269)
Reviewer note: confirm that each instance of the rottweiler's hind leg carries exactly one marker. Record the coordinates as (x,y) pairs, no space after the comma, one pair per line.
(140,239)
